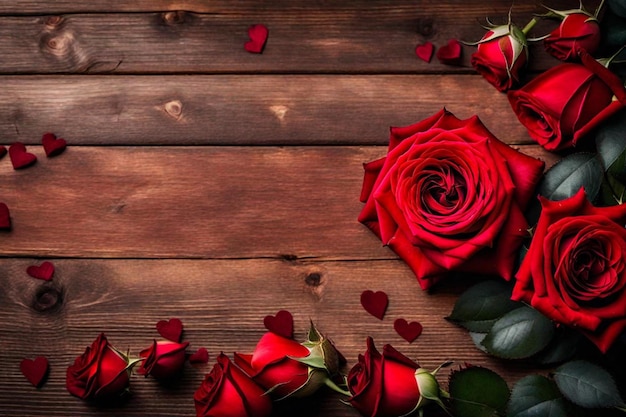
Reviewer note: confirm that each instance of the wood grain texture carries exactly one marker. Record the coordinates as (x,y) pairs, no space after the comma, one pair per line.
(242,110)
(304,37)
(199,202)
(125,299)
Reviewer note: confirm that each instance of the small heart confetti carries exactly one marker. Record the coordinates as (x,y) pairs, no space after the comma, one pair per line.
(171,329)
(35,370)
(258,38)
(408,331)
(19,157)
(375,303)
(200,356)
(43,271)
(425,51)
(280,324)
(51,145)
(450,54)
(5,217)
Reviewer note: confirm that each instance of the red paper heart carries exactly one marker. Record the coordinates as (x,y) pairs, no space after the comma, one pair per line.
(200,356)
(43,271)
(425,51)
(408,331)
(19,157)
(35,370)
(53,146)
(171,329)
(375,303)
(450,54)
(280,324)
(5,217)
(258,38)
(3,151)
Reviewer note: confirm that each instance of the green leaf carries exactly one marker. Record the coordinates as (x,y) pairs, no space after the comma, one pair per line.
(611,142)
(478,338)
(481,305)
(534,396)
(587,385)
(613,192)
(477,392)
(565,178)
(563,347)
(519,334)
(618,7)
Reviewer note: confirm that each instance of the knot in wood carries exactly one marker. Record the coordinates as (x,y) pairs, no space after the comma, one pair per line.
(60,44)
(174,17)
(313,279)
(54,22)
(48,299)
(425,27)
(174,108)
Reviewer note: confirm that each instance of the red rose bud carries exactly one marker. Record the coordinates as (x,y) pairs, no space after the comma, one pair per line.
(575,269)
(100,373)
(163,359)
(287,368)
(391,385)
(578,30)
(501,54)
(228,392)
(566,102)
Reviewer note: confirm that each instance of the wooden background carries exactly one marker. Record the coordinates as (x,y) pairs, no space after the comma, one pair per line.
(217,186)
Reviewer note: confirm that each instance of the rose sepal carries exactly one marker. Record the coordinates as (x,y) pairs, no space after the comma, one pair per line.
(562,14)
(429,388)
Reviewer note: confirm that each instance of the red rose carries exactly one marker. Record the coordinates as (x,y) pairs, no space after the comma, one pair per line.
(500,56)
(575,269)
(449,196)
(228,392)
(163,359)
(389,385)
(561,105)
(291,369)
(578,30)
(101,372)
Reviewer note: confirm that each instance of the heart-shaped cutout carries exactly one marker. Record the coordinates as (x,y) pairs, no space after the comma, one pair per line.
(450,54)
(200,356)
(171,329)
(43,271)
(258,38)
(408,331)
(425,51)
(51,145)
(19,157)
(375,303)
(35,370)
(5,217)
(280,324)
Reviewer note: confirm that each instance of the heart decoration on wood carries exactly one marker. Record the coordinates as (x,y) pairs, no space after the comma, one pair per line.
(35,370)
(375,303)
(408,331)
(171,329)
(53,146)
(258,38)
(200,356)
(43,271)
(425,51)
(280,324)
(450,54)
(19,157)
(5,217)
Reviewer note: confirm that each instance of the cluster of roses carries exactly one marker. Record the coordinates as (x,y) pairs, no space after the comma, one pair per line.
(563,104)
(279,368)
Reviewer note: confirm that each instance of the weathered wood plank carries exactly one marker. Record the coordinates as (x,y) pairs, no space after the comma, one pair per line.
(200,202)
(222,305)
(239,110)
(355,38)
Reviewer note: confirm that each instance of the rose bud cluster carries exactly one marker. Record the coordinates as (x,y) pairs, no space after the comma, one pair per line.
(575,269)
(102,372)
(390,384)
(501,55)
(288,369)
(578,29)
